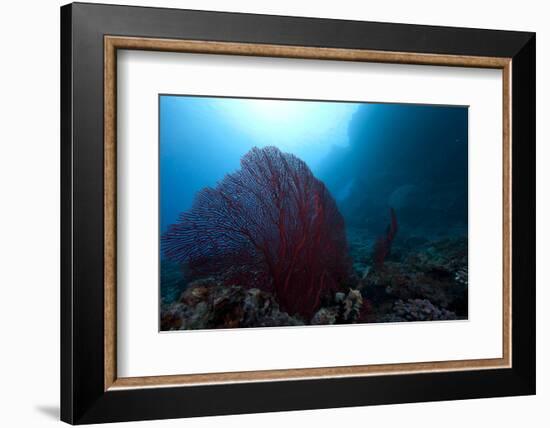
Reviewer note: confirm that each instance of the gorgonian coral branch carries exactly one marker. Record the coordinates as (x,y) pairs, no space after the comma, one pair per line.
(271,216)
(382,247)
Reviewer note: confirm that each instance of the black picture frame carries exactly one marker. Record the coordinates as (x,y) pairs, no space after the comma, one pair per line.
(83,396)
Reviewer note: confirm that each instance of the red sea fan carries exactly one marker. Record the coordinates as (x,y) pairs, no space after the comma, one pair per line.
(383,244)
(271,217)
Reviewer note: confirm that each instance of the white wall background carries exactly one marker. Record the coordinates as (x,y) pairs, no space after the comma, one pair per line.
(29,218)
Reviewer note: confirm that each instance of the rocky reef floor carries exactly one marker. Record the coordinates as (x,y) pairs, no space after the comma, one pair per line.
(421,280)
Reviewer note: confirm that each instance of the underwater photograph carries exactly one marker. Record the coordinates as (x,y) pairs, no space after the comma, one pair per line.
(279,212)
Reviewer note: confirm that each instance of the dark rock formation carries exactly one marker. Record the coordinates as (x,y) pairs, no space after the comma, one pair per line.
(209,304)
(274,217)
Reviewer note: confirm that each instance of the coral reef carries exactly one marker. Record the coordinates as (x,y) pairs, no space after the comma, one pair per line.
(272,244)
(272,217)
(268,247)
(172,280)
(346,308)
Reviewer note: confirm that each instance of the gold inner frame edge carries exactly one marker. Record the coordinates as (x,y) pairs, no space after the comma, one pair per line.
(113,43)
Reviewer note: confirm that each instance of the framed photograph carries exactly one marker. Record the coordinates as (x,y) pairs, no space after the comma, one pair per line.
(266,213)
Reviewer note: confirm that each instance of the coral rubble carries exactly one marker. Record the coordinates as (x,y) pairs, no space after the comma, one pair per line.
(422,281)
(271,216)
(268,247)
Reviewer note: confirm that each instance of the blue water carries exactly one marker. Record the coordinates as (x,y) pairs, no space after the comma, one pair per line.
(371,156)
